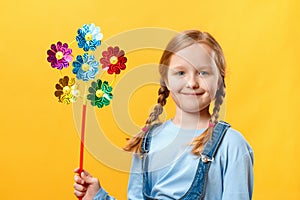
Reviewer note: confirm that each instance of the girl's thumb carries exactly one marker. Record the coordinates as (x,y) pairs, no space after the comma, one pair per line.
(86,178)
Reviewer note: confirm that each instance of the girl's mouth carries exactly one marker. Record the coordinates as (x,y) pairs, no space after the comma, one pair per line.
(193,93)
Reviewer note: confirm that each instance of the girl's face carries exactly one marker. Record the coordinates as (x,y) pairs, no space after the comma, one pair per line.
(193,78)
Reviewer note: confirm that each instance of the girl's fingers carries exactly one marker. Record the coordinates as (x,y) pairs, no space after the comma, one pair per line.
(86,173)
(76,170)
(83,171)
(78,179)
(79,194)
(79,188)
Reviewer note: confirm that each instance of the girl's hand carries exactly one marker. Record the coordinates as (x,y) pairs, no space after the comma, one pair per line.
(86,186)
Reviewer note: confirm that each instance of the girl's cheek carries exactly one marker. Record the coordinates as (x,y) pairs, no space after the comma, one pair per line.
(173,80)
(213,89)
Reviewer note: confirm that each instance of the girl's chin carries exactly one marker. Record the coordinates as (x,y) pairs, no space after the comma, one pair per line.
(194,109)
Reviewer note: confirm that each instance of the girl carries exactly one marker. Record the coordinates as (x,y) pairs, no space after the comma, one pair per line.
(193,155)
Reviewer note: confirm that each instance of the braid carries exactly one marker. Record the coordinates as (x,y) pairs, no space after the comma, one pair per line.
(135,143)
(200,141)
(163,94)
(218,102)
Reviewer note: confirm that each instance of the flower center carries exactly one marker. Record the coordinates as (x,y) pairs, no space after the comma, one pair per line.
(66,89)
(113,60)
(85,67)
(88,37)
(59,55)
(99,93)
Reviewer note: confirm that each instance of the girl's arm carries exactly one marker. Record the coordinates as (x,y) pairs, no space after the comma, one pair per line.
(238,180)
(102,195)
(238,170)
(135,184)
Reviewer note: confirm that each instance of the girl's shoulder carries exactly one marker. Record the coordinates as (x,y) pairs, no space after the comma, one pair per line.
(234,136)
(234,143)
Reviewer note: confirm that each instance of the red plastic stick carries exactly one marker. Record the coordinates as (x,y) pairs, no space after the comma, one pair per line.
(82,140)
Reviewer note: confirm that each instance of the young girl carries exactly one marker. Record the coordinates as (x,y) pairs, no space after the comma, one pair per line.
(193,155)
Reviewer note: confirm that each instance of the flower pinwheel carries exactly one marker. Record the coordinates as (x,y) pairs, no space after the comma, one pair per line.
(85,67)
(100,93)
(89,37)
(113,60)
(59,55)
(66,90)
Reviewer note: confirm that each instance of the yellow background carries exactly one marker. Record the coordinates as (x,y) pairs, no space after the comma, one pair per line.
(39,143)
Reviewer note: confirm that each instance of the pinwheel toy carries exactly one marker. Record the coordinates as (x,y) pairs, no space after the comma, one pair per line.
(85,69)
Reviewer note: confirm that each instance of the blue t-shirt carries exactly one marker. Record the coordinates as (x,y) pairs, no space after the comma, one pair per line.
(172,167)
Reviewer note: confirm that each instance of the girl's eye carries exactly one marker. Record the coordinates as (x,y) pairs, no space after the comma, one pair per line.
(180,73)
(203,73)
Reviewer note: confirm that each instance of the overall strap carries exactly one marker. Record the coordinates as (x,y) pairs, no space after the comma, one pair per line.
(212,145)
(198,187)
(147,140)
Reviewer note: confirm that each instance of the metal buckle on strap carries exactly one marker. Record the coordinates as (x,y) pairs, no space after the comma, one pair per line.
(206,159)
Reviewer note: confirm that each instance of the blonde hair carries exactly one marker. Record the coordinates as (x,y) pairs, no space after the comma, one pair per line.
(179,42)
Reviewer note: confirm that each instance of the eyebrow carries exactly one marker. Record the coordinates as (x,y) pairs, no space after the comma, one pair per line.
(177,67)
(203,67)
(198,67)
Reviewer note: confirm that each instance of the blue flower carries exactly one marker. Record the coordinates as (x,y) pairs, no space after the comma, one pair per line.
(85,67)
(89,37)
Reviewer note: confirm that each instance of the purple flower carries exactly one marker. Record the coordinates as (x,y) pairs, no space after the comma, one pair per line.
(59,55)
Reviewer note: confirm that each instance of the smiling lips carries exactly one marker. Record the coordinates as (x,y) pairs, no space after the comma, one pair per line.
(193,94)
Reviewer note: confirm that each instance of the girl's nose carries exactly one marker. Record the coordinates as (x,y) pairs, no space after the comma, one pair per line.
(193,82)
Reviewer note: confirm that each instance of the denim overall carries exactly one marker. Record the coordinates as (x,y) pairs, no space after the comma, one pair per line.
(197,189)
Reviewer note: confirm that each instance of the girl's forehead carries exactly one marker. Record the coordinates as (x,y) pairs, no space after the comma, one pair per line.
(197,55)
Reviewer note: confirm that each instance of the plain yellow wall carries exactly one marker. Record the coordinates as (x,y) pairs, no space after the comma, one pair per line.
(39,142)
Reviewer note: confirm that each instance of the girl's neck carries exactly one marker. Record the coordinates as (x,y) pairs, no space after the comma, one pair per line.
(188,120)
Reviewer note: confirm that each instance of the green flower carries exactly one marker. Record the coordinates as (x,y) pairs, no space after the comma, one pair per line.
(100,93)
